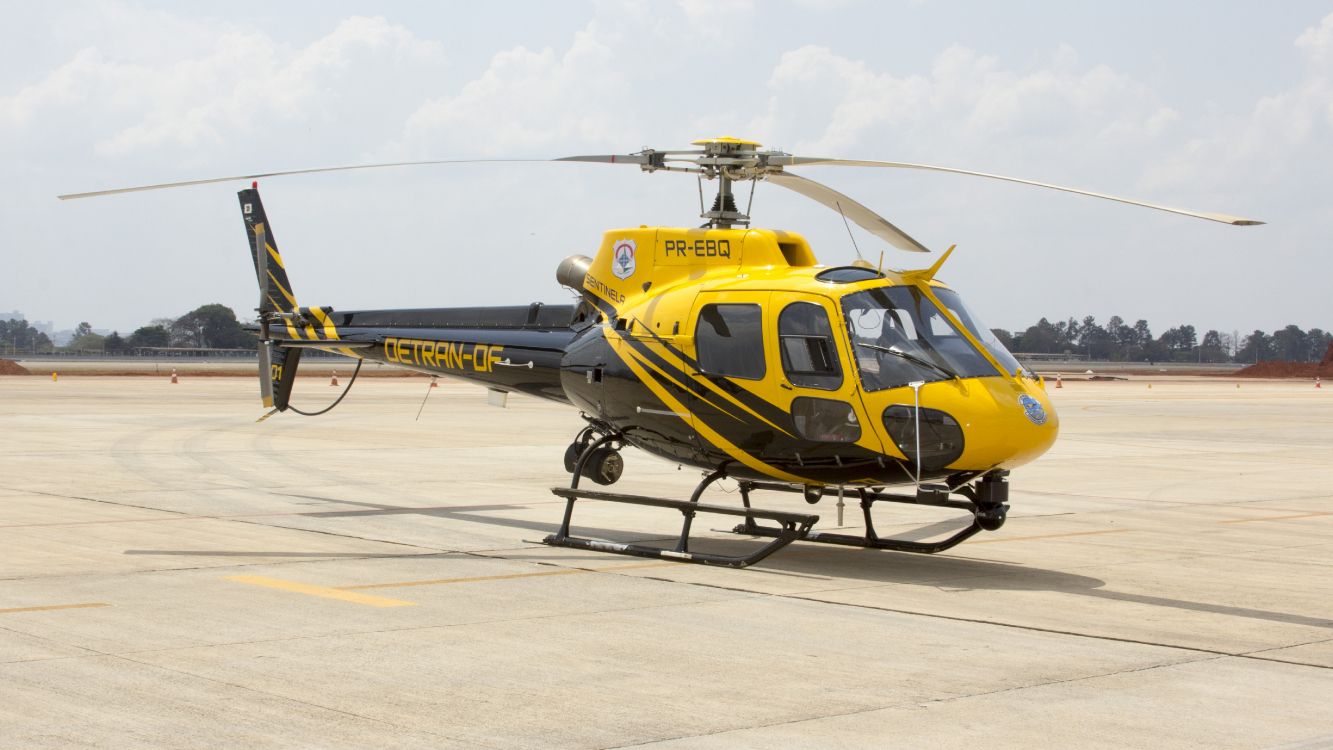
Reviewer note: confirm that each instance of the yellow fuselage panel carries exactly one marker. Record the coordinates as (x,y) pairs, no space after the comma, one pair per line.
(655,278)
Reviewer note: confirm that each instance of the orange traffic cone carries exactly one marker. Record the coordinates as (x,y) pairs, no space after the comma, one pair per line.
(1058,382)
(334,380)
(1317,383)
(434,384)
(173,376)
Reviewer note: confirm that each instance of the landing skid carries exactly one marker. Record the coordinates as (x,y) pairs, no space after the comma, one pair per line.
(791,526)
(985,500)
(794,526)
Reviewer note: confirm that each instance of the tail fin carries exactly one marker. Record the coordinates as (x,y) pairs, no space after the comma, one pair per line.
(275,290)
(277,364)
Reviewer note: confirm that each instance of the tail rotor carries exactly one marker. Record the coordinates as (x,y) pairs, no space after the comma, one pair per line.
(265,335)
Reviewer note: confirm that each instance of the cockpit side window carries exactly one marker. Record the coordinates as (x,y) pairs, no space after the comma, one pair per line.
(809,356)
(730,341)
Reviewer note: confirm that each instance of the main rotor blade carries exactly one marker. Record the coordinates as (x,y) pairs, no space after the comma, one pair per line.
(864,217)
(813,161)
(644,157)
(259,175)
(608,158)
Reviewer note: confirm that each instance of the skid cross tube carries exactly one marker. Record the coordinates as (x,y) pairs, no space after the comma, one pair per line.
(790,526)
(684,544)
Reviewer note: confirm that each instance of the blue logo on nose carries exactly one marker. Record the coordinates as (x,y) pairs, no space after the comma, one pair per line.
(1032,407)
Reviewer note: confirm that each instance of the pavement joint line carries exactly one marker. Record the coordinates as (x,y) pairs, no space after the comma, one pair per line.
(408,629)
(1050,536)
(1282,648)
(52,607)
(501,577)
(955,618)
(321,591)
(921,702)
(145,520)
(279,696)
(1055,631)
(1277,518)
(239,520)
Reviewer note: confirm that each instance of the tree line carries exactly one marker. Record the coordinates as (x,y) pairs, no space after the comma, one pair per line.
(215,326)
(1118,341)
(207,327)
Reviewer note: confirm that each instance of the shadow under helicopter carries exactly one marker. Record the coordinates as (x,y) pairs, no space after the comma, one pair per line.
(803,560)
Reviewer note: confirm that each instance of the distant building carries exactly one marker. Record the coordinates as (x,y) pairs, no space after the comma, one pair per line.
(44,326)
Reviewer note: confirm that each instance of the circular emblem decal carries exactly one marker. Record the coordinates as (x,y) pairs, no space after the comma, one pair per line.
(1032,407)
(622,259)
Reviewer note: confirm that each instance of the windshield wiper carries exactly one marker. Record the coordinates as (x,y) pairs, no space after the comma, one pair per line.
(913,359)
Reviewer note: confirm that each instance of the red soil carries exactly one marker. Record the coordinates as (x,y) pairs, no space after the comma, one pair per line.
(1307,370)
(9,367)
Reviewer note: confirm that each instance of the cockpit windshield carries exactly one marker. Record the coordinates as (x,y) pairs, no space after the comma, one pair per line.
(900,336)
(979,331)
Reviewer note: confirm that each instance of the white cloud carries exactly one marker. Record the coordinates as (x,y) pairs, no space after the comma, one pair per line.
(528,100)
(829,5)
(715,16)
(1278,137)
(829,103)
(241,83)
(66,85)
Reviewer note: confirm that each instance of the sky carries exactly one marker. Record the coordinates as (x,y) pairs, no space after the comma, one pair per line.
(1212,106)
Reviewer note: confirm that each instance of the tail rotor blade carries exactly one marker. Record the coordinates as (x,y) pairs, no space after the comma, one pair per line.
(266,373)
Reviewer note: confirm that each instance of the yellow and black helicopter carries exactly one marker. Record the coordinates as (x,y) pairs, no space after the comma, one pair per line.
(725,347)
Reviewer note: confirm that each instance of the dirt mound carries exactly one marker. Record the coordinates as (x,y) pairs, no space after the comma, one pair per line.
(1307,370)
(10,367)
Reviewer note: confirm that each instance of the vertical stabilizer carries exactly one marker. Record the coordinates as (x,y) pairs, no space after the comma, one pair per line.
(277,364)
(276,293)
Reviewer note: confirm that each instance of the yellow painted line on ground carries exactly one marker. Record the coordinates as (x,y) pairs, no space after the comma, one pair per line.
(324,591)
(505,577)
(1277,518)
(1050,536)
(50,607)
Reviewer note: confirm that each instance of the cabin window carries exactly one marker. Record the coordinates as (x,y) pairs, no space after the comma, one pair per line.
(730,341)
(809,356)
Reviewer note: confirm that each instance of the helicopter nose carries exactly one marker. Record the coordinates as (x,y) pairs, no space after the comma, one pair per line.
(1022,423)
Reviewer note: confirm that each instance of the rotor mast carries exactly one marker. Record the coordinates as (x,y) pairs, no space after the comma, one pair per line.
(726,160)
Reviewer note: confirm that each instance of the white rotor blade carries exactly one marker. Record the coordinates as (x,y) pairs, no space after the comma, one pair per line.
(817,161)
(864,217)
(186,183)
(607,158)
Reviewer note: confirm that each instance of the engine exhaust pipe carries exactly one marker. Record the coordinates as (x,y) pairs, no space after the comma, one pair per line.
(572,271)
